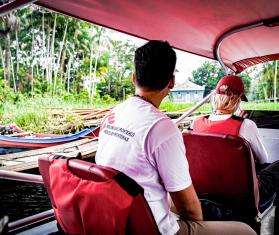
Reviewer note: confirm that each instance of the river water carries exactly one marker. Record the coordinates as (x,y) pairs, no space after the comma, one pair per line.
(19,199)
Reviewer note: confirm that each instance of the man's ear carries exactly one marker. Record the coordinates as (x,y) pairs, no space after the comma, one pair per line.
(133,78)
(171,83)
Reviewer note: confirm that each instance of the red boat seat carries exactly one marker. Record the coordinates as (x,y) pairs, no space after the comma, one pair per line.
(222,168)
(91,199)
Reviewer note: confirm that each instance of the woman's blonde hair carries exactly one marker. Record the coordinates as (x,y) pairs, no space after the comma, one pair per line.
(225,104)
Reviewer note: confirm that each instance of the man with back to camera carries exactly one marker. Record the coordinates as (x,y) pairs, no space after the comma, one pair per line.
(137,139)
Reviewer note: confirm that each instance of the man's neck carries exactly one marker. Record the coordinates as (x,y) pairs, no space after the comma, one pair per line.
(154,97)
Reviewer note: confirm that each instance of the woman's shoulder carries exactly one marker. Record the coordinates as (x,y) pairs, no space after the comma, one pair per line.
(245,121)
(248,127)
(249,122)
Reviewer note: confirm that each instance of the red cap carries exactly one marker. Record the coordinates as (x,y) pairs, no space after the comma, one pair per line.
(231,84)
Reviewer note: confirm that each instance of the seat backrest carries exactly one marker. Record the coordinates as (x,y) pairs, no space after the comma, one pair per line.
(91,199)
(222,168)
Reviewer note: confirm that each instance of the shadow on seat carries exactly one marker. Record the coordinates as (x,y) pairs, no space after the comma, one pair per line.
(222,170)
(91,199)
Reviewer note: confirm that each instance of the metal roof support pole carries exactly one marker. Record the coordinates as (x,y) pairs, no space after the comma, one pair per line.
(14,5)
(275,82)
(192,110)
(220,40)
(217,55)
(269,23)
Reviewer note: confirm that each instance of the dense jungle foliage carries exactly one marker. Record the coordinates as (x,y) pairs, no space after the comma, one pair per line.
(52,60)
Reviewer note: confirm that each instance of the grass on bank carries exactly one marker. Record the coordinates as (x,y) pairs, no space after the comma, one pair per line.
(175,107)
(34,114)
(37,114)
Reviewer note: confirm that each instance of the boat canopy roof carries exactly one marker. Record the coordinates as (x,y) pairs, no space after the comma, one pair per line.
(212,29)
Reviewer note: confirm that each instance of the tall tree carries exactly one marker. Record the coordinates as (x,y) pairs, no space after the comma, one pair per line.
(117,79)
(275,82)
(209,73)
(54,53)
(267,85)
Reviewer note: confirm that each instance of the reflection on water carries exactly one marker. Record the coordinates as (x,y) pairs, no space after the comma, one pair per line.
(19,199)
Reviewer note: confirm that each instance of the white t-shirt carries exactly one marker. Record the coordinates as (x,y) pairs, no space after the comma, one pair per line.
(250,132)
(142,142)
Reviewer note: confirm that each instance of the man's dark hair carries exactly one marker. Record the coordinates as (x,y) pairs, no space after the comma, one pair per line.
(154,64)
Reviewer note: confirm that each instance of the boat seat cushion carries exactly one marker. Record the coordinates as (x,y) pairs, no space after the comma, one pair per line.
(222,168)
(91,199)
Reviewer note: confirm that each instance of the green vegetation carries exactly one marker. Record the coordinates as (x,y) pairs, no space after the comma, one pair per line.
(49,60)
(182,107)
(266,83)
(34,114)
(38,114)
(260,106)
(261,82)
(51,54)
(209,73)
(206,108)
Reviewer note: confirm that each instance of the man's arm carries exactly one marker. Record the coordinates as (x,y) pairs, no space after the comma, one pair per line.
(167,155)
(187,204)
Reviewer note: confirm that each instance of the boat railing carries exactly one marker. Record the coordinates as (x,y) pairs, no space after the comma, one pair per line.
(29,178)
(193,109)
(30,220)
(19,176)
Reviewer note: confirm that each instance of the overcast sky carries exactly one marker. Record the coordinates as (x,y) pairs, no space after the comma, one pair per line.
(186,62)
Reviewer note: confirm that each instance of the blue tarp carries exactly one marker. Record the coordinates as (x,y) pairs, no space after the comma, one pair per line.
(49,140)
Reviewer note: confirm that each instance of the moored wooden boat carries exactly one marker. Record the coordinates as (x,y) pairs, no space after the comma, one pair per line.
(44,140)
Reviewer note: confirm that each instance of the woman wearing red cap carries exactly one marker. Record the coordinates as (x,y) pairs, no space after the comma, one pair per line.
(225,102)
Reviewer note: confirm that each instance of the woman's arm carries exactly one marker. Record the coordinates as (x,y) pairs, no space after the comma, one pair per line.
(250,132)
